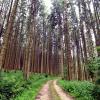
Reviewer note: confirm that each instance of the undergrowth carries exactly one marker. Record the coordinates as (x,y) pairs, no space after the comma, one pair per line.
(81,90)
(13,86)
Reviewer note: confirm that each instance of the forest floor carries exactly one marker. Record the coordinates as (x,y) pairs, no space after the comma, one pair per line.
(51,91)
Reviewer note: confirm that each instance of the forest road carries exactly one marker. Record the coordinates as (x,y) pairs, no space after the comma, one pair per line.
(51,91)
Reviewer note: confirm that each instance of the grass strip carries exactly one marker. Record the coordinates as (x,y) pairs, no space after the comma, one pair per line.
(53,93)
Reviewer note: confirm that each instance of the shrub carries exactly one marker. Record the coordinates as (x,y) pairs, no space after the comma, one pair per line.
(96,92)
(92,67)
(11,84)
(14,87)
(79,90)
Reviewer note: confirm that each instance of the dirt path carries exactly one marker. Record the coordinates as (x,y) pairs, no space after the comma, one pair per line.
(44,93)
(61,93)
(51,91)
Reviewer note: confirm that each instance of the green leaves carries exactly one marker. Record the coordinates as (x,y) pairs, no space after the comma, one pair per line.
(98,48)
(14,87)
(92,66)
(79,90)
(96,92)
(11,84)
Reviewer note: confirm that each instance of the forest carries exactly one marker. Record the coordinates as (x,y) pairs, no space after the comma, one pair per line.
(49,49)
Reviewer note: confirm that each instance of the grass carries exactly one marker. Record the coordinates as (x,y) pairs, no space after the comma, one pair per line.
(36,83)
(14,87)
(81,90)
(53,93)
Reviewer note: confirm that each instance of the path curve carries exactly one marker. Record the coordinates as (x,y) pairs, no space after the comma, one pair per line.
(61,93)
(45,93)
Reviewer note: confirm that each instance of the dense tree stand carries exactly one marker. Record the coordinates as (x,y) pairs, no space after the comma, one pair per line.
(61,42)
(38,44)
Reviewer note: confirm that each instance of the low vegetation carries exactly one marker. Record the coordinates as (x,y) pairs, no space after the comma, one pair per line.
(93,67)
(13,86)
(78,89)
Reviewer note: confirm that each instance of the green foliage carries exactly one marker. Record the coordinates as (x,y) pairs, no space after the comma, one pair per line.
(93,66)
(36,83)
(14,87)
(98,48)
(96,92)
(79,90)
(11,84)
